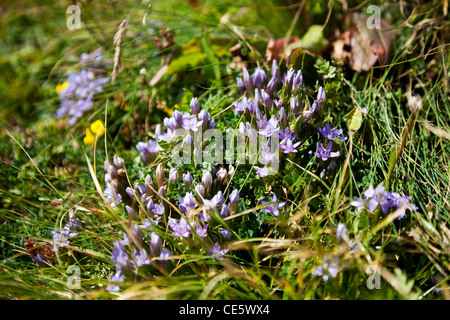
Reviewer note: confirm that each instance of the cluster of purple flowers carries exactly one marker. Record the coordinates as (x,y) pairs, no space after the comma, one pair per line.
(276,116)
(126,264)
(68,231)
(330,267)
(198,206)
(379,197)
(191,122)
(78,93)
(116,180)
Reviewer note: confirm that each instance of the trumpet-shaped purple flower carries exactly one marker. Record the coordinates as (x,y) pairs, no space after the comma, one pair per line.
(159,209)
(191,124)
(274,208)
(288,146)
(330,267)
(331,134)
(180,228)
(262,172)
(202,231)
(325,153)
(225,211)
(215,201)
(268,128)
(187,204)
(233,201)
(216,253)
(140,258)
(374,197)
(148,150)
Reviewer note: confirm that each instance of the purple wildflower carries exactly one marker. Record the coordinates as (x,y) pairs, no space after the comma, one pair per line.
(288,147)
(187,204)
(180,228)
(331,134)
(274,208)
(215,201)
(216,253)
(148,150)
(325,153)
(201,231)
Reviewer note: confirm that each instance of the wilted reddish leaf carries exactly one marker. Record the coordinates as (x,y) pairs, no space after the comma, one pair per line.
(361,47)
(276,47)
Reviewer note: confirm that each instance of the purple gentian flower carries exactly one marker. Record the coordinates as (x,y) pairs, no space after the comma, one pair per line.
(325,153)
(215,201)
(140,257)
(262,172)
(191,124)
(377,197)
(201,231)
(288,147)
(180,228)
(358,203)
(331,134)
(187,204)
(159,209)
(216,253)
(268,128)
(274,207)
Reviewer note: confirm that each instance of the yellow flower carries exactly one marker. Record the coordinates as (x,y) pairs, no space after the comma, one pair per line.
(97,128)
(89,138)
(59,87)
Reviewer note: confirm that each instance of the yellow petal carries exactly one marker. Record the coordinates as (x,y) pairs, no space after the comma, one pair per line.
(89,138)
(98,128)
(61,86)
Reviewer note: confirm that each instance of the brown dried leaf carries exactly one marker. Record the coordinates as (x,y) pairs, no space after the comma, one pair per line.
(361,47)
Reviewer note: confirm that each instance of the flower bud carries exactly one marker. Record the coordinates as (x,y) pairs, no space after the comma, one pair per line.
(118,162)
(132,213)
(162,193)
(275,70)
(200,192)
(230,172)
(221,176)
(155,244)
(225,211)
(160,176)
(297,82)
(165,255)
(225,233)
(234,199)
(178,116)
(247,81)
(259,78)
(149,185)
(150,205)
(188,140)
(195,106)
(130,192)
(283,118)
(158,130)
(187,180)
(173,175)
(267,99)
(204,117)
(294,106)
(207,181)
(136,232)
